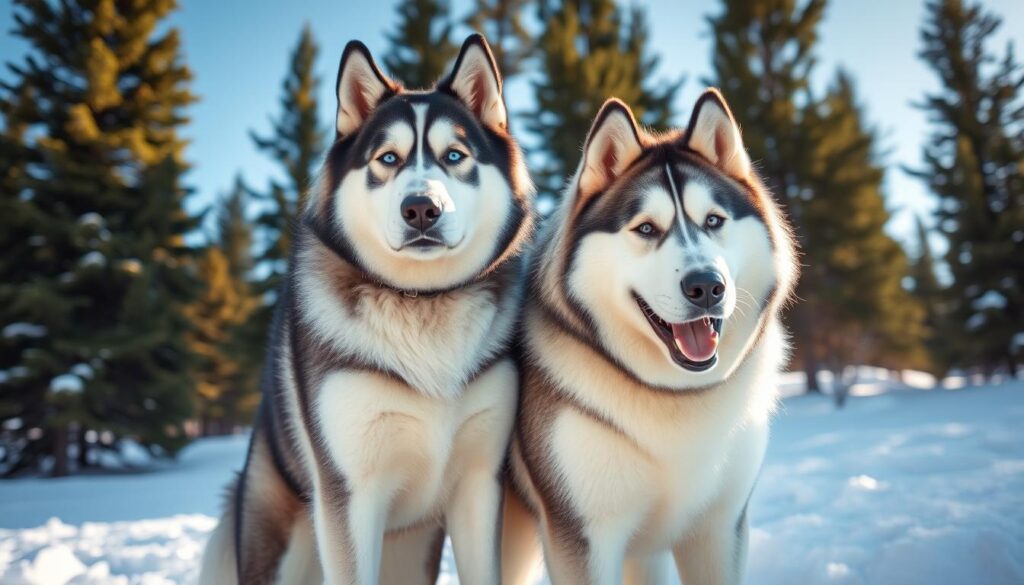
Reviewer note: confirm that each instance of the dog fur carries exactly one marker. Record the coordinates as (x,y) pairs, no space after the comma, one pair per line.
(625,450)
(389,393)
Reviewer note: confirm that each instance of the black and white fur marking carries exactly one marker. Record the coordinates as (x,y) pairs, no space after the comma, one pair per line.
(389,395)
(627,451)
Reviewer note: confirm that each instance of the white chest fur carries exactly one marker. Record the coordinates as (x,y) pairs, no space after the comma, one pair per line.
(433,343)
(666,458)
(412,448)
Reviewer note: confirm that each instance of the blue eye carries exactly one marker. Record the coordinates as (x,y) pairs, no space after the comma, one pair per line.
(713,221)
(454,156)
(388,158)
(646,229)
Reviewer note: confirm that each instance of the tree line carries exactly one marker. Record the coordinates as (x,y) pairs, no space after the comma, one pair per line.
(114,328)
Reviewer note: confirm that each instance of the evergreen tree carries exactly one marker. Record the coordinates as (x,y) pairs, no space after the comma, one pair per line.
(421,46)
(95,273)
(225,368)
(501,21)
(762,59)
(931,296)
(589,51)
(973,165)
(296,144)
(854,271)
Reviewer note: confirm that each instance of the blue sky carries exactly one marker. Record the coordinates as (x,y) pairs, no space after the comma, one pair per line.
(238,51)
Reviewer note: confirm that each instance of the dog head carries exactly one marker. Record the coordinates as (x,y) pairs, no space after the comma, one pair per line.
(422,190)
(669,253)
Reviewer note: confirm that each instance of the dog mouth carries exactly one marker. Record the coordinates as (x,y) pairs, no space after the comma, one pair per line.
(423,242)
(693,345)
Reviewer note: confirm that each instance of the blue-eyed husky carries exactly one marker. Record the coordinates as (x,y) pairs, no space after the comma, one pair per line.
(651,345)
(389,395)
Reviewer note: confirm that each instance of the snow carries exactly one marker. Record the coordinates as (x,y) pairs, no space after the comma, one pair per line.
(975,321)
(82,370)
(12,373)
(904,486)
(23,330)
(990,300)
(91,219)
(94,258)
(67,383)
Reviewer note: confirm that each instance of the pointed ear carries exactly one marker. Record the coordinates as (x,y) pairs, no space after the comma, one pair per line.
(713,134)
(612,145)
(361,87)
(476,81)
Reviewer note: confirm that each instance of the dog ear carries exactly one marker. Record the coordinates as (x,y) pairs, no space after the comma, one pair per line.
(361,87)
(475,81)
(612,145)
(713,134)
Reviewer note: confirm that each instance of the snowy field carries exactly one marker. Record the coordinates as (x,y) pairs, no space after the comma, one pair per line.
(904,487)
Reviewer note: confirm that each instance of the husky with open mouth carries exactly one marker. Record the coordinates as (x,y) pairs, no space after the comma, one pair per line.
(652,340)
(389,394)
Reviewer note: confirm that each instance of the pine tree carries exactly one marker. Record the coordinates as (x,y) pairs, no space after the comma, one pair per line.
(421,46)
(762,58)
(854,271)
(931,295)
(21,402)
(295,144)
(501,21)
(589,51)
(973,165)
(225,369)
(96,275)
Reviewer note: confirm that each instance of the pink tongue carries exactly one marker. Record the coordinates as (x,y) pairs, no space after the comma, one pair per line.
(696,339)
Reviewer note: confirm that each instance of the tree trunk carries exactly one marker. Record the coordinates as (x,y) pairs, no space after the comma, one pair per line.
(806,345)
(60,451)
(811,371)
(840,386)
(83,449)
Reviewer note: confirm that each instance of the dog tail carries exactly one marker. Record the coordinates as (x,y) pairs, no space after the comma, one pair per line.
(219,566)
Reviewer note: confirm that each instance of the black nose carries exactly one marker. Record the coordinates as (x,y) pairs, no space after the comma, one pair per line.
(420,211)
(704,289)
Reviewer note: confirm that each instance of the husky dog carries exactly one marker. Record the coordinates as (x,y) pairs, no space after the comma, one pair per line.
(389,396)
(650,348)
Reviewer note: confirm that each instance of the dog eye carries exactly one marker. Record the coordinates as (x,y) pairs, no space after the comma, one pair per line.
(454,156)
(388,158)
(646,229)
(713,221)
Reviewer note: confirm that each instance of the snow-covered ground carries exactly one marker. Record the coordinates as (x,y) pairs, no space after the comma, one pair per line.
(902,487)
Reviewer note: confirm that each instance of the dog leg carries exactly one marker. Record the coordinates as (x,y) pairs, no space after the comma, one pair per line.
(521,556)
(299,565)
(606,554)
(266,513)
(566,561)
(715,552)
(596,559)
(413,556)
(219,566)
(473,511)
(474,523)
(655,569)
(350,533)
